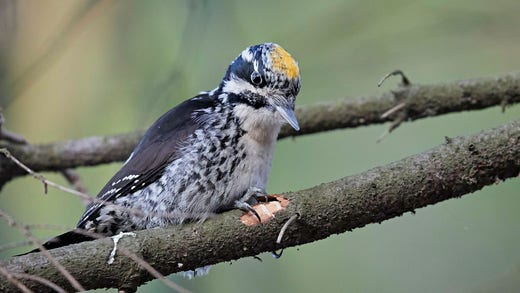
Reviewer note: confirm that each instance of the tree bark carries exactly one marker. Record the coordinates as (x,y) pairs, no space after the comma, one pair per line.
(459,166)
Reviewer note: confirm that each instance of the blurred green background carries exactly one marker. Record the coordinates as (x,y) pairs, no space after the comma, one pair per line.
(115,66)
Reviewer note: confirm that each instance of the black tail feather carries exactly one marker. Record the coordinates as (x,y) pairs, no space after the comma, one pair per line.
(64,239)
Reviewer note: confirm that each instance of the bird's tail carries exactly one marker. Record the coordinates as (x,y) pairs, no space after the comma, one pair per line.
(64,239)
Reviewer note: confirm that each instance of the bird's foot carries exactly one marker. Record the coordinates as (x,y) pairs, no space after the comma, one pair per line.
(252,196)
(116,239)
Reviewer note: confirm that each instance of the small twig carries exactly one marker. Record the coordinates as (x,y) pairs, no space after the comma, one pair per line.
(393,110)
(396,123)
(75,180)
(12,137)
(44,180)
(404,80)
(504,103)
(27,233)
(42,281)
(12,278)
(282,232)
(401,107)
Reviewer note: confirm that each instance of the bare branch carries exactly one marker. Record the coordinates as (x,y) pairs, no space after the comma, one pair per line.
(421,101)
(69,154)
(457,167)
(44,180)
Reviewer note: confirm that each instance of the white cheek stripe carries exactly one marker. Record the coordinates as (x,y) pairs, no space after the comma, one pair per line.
(237,85)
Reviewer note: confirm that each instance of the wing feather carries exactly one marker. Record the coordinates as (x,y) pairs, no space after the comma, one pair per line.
(159,146)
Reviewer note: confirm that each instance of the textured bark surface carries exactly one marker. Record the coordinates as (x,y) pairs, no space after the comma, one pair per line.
(421,101)
(457,167)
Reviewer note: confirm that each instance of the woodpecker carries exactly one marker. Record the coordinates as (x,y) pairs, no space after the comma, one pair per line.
(209,154)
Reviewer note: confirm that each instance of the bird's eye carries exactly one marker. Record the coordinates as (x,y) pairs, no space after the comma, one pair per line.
(256,78)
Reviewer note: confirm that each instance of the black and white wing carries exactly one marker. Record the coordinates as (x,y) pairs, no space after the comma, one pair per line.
(159,146)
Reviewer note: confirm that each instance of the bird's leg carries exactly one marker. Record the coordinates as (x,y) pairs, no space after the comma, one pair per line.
(252,196)
(116,239)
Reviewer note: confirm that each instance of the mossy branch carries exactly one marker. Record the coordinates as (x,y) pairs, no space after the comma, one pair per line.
(420,101)
(459,166)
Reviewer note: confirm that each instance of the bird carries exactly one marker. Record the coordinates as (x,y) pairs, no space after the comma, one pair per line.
(207,155)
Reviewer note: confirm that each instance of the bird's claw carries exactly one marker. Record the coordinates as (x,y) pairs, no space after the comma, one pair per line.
(244,206)
(252,195)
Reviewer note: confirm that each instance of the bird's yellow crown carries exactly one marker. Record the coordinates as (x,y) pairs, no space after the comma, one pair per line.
(284,62)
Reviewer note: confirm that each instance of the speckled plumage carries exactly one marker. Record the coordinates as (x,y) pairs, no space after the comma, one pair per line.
(202,156)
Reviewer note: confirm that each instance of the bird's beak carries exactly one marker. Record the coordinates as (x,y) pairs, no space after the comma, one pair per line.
(286,110)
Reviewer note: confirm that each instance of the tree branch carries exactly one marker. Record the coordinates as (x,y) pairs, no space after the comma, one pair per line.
(457,167)
(421,101)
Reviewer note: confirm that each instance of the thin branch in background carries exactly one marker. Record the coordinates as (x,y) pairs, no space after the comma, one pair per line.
(41,280)
(44,180)
(28,234)
(8,135)
(32,227)
(11,245)
(54,48)
(14,280)
(12,137)
(70,175)
(48,227)
(75,181)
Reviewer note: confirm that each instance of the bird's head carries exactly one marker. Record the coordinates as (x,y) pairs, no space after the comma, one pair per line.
(265,77)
